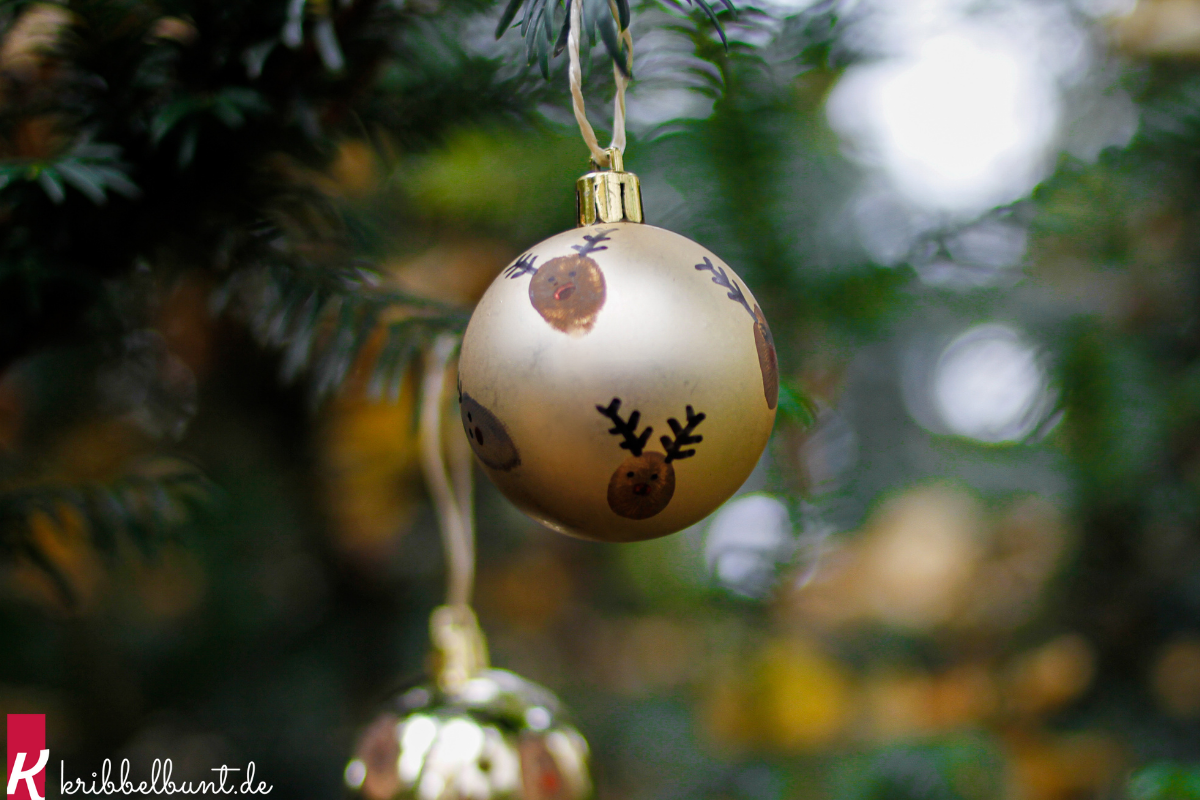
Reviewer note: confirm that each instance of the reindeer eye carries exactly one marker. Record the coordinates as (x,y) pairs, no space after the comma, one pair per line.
(628,474)
(654,477)
(469,417)
(572,273)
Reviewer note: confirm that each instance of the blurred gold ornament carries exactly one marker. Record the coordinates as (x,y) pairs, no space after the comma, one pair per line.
(473,733)
(594,340)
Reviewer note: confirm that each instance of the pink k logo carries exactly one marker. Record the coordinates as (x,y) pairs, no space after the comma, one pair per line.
(27,757)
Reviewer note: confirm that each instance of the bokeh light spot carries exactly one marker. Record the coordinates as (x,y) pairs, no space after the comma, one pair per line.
(990,385)
(747,538)
(962,122)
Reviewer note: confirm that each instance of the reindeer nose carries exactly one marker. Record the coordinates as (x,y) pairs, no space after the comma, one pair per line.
(641,489)
(564,291)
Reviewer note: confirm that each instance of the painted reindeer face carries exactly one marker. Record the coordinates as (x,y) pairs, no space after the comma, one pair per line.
(768,362)
(567,291)
(542,776)
(642,486)
(489,438)
(645,482)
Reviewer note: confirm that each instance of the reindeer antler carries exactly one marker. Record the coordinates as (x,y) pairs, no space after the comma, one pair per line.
(633,443)
(720,278)
(593,242)
(522,266)
(683,436)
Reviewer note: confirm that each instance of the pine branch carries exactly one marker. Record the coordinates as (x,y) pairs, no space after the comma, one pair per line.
(144,507)
(327,320)
(544,24)
(91,168)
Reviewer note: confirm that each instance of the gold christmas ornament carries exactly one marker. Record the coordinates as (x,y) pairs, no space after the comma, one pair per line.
(474,734)
(618,382)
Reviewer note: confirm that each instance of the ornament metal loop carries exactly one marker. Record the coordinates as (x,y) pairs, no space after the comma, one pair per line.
(606,196)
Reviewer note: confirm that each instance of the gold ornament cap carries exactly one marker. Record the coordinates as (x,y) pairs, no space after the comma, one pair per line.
(611,195)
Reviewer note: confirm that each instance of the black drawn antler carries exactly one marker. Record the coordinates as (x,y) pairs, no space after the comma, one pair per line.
(721,279)
(683,436)
(522,266)
(633,443)
(593,242)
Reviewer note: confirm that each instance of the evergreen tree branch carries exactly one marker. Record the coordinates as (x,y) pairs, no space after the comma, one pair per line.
(145,506)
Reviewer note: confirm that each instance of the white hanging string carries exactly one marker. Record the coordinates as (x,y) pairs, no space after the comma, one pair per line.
(452,492)
(575,75)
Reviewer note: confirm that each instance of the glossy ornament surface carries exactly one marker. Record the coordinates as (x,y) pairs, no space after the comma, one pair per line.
(496,736)
(618,382)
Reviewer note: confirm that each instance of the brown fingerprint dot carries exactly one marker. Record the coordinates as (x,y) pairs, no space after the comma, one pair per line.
(635,491)
(378,750)
(541,774)
(768,362)
(568,292)
(495,449)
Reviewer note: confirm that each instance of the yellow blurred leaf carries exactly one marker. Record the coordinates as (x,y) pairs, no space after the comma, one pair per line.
(369,471)
(802,696)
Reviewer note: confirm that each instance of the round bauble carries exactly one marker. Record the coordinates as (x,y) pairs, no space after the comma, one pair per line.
(618,382)
(497,737)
